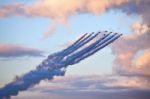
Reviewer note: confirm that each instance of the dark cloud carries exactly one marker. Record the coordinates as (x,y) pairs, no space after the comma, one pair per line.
(9,50)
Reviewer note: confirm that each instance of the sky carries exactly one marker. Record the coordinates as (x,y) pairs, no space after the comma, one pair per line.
(32,30)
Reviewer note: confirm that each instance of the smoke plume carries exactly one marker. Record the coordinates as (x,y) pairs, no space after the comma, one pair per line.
(56,63)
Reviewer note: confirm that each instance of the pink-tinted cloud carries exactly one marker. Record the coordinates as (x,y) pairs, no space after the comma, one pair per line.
(144,59)
(9,50)
(132,51)
(58,10)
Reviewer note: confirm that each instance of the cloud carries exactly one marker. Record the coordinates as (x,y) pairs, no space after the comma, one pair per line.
(71,85)
(132,51)
(9,50)
(94,86)
(139,28)
(58,10)
(50,31)
(144,59)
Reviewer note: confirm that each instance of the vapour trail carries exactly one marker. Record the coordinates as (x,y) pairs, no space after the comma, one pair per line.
(56,63)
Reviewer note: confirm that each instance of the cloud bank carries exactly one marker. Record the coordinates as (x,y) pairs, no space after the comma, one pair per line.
(79,87)
(9,50)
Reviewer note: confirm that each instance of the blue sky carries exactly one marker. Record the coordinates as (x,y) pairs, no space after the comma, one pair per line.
(27,32)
